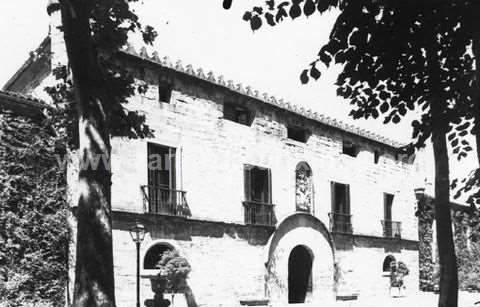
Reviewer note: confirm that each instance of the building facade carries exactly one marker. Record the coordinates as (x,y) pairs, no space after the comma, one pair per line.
(268,202)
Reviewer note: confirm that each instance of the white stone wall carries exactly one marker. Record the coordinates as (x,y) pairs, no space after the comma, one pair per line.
(224,270)
(211,153)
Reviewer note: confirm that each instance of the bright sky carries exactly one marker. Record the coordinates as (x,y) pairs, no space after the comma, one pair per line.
(205,35)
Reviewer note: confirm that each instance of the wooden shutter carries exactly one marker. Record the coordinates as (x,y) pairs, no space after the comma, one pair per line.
(332,195)
(247,182)
(269,174)
(347,199)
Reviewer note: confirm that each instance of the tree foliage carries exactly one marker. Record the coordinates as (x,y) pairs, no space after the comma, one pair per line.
(33,227)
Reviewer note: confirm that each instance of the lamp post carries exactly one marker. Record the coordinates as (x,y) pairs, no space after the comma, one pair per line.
(137,233)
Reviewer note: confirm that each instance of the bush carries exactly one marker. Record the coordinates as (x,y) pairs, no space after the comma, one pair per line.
(33,227)
(174,270)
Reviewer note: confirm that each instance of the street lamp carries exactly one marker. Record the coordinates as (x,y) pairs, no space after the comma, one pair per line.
(137,233)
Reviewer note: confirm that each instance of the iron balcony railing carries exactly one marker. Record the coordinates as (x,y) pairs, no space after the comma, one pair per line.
(340,222)
(165,201)
(392,229)
(257,213)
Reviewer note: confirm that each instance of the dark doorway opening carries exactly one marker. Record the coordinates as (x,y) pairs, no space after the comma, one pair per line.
(299,275)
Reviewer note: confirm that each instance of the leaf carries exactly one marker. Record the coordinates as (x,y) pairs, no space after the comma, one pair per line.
(295,11)
(322,5)
(384,107)
(304,77)
(270,19)
(258,10)
(396,119)
(309,7)
(255,22)
(247,16)
(315,73)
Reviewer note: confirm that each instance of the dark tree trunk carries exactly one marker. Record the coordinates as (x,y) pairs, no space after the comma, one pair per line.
(446,249)
(439,124)
(476,53)
(94,281)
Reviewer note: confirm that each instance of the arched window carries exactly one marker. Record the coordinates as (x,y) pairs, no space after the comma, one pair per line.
(303,188)
(153,255)
(387,262)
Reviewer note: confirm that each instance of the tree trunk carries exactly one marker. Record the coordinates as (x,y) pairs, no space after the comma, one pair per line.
(94,281)
(446,249)
(439,124)
(476,53)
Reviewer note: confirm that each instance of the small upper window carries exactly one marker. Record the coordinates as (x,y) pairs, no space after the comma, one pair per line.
(348,148)
(376,156)
(237,114)
(297,134)
(164,92)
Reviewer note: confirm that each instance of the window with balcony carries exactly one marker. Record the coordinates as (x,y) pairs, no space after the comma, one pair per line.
(340,217)
(160,194)
(258,200)
(237,114)
(391,229)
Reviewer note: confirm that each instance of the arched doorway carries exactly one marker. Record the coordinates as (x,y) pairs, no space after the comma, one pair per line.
(299,274)
(303,188)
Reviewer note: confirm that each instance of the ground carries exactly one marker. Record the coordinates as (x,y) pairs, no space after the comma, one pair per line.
(421,299)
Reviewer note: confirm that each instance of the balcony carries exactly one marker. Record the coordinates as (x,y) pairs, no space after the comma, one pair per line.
(392,229)
(165,201)
(257,213)
(340,222)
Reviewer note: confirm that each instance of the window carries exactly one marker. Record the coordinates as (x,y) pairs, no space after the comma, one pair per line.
(164,91)
(387,206)
(387,262)
(153,255)
(257,184)
(237,114)
(376,156)
(162,196)
(340,198)
(161,166)
(348,148)
(297,134)
(340,218)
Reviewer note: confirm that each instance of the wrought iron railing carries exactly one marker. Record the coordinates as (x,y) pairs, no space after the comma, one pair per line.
(392,229)
(165,201)
(340,222)
(257,213)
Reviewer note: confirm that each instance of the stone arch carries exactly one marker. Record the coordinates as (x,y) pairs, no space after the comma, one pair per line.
(300,229)
(387,262)
(304,188)
(153,253)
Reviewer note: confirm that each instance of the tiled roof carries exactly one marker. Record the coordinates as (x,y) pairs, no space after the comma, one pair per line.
(27,98)
(263,97)
(22,104)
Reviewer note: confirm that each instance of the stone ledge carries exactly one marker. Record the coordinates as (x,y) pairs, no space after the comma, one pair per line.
(181,228)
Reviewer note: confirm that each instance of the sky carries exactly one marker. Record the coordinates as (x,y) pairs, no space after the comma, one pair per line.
(205,35)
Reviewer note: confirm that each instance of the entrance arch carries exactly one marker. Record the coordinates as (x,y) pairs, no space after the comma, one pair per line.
(299,274)
(300,262)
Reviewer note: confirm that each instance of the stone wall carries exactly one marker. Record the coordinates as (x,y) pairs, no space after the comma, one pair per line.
(212,151)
